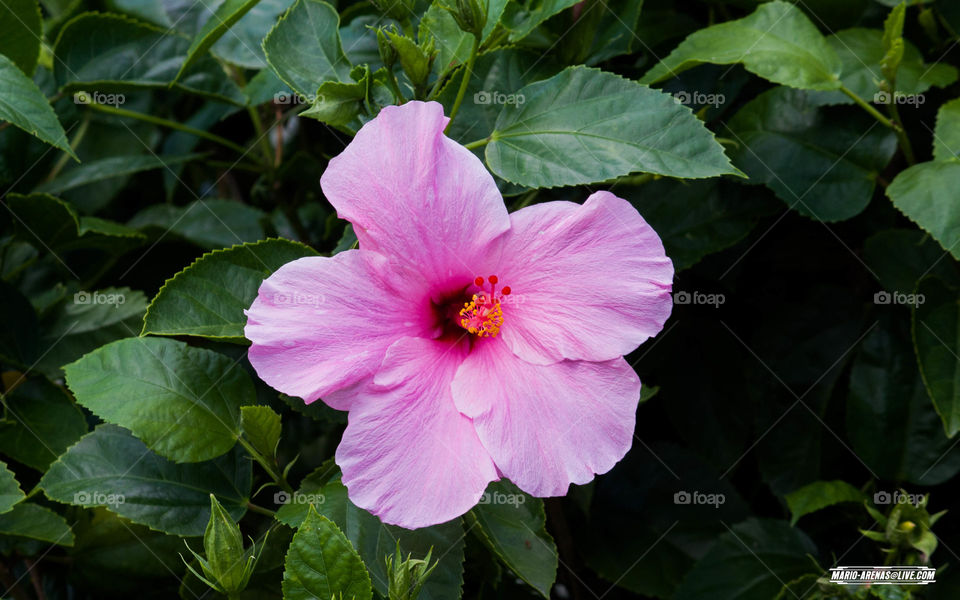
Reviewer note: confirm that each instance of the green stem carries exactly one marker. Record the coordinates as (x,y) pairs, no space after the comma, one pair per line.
(120,112)
(477,143)
(902,140)
(395,85)
(279,479)
(468,71)
(262,139)
(867,107)
(261,510)
(65,158)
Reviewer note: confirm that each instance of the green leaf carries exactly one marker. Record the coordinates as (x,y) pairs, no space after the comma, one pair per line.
(452,43)
(900,257)
(584,125)
(106,168)
(321,563)
(107,53)
(891,424)
(756,555)
(23,104)
(242,45)
(208,298)
(513,525)
(861,53)
(818,495)
(42,422)
(946,139)
(35,522)
(18,338)
(521,18)
(84,321)
(111,468)
(51,224)
(223,18)
(304,49)
(937,342)
(21,30)
(777,42)
(261,425)
(696,218)
(184,402)
(10,492)
(823,168)
(374,541)
(919,192)
(209,224)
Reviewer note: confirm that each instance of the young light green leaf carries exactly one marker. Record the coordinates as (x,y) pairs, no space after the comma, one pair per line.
(513,525)
(936,340)
(322,563)
(919,192)
(218,24)
(183,402)
(208,298)
(10,492)
(261,425)
(818,495)
(42,423)
(21,31)
(24,105)
(788,144)
(584,125)
(777,42)
(304,49)
(111,468)
(36,522)
(106,168)
(946,138)
(893,44)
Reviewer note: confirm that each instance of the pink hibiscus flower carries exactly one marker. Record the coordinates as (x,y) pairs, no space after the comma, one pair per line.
(465,342)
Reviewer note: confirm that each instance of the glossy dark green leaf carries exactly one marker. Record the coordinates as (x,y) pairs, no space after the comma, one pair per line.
(520,19)
(946,142)
(111,468)
(42,422)
(919,192)
(23,104)
(208,298)
(900,257)
(18,338)
(209,224)
(86,320)
(777,42)
(183,402)
(819,495)
(304,47)
(223,18)
(10,492)
(754,557)
(106,168)
(584,125)
(937,342)
(513,525)
(891,423)
(322,563)
(28,520)
(695,218)
(105,53)
(824,168)
(21,33)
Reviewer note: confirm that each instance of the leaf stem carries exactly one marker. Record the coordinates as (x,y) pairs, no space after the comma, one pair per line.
(121,112)
(468,71)
(64,158)
(902,140)
(477,143)
(260,509)
(876,114)
(279,479)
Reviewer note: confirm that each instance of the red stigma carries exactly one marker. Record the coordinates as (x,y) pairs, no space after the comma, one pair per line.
(493,279)
(479,281)
(505,291)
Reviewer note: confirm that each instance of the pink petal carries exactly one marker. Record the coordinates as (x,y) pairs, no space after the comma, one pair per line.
(588,282)
(416,195)
(320,324)
(547,426)
(407,455)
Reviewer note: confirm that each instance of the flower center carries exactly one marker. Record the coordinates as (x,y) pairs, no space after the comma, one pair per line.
(483,315)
